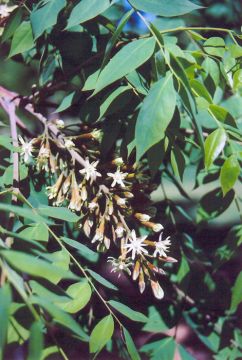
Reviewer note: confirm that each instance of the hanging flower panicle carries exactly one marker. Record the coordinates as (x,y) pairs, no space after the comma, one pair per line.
(111,197)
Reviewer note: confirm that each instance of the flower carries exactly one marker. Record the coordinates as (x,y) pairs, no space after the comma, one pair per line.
(90,172)
(162,246)
(60,124)
(69,144)
(92,205)
(6,10)
(118,178)
(136,244)
(98,236)
(26,149)
(157,227)
(120,264)
(119,231)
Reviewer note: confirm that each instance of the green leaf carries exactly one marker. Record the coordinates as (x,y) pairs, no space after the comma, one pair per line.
(200,90)
(86,10)
(165,8)
(222,115)
(80,293)
(101,280)
(82,249)
(6,142)
(155,114)
(237,78)
(236,293)
(60,316)
(129,58)
(229,173)
(13,22)
(53,293)
(37,232)
(115,37)
(101,334)
(184,354)
(61,259)
(5,301)
(162,349)
(178,162)
(44,17)
(61,213)
(213,145)
(134,355)
(34,266)
(36,341)
(215,46)
(129,313)
(49,351)
(66,102)
(26,213)
(22,39)
(108,106)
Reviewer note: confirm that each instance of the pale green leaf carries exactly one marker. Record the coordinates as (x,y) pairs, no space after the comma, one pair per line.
(101,334)
(213,145)
(134,355)
(129,313)
(229,173)
(215,46)
(165,8)
(80,293)
(86,10)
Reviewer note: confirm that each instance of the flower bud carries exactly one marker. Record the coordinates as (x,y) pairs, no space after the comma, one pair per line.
(59,124)
(142,217)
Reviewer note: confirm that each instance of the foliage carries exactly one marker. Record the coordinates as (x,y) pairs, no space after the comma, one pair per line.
(108,126)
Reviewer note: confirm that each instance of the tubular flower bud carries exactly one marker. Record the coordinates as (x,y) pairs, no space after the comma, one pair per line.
(142,217)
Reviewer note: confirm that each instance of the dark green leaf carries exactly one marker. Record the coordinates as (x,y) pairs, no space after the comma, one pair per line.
(82,249)
(155,115)
(22,39)
(134,355)
(101,280)
(44,17)
(129,58)
(236,293)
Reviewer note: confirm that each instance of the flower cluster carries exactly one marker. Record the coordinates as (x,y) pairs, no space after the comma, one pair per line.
(112,197)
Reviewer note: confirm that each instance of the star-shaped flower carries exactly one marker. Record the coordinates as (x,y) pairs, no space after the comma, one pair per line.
(136,244)
(90,172)
(26,149)
(162,246)
(118,178)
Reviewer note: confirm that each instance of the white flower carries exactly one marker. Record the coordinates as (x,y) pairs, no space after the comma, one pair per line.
(97,237)
(69,144)
(162,246)
(92,205)
(136,245)
(157,227)
(118,178)
(26,149)
(119,231)
(6,10)
(120,265)
(90,172)
(60,124)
